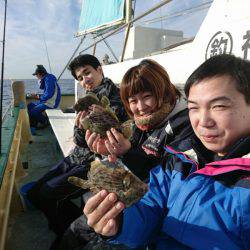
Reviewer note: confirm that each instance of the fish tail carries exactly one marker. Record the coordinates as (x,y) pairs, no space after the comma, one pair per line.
(84,184)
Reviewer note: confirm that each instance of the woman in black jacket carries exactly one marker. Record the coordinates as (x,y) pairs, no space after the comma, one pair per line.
(160,116)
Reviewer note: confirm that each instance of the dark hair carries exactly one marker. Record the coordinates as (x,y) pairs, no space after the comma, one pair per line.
(40,70)
(148,76)
(81,61)
(224,64)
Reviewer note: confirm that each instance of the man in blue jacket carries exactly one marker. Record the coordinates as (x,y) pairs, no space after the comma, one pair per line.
(198,199)
(48,100)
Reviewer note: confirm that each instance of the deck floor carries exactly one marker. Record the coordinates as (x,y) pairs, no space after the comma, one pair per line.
(29,231)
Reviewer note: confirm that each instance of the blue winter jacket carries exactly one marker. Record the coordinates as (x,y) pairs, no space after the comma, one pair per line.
(192,206)
(52,94)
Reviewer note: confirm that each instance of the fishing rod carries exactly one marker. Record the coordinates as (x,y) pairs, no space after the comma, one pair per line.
(2,71)
(47,53)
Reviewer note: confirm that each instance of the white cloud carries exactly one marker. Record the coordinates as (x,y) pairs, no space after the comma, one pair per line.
(28,21)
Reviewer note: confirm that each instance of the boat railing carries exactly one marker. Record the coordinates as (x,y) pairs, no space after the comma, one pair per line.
(8,110)
(17,135)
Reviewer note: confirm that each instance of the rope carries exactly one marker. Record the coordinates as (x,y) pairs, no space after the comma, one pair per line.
(179,13)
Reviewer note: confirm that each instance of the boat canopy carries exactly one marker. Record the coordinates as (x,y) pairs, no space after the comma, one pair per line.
(100,14)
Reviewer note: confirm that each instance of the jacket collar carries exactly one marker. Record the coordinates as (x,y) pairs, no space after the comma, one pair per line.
(97,89)
(181,104)
(238,158)
(42,82)
(226,166)
(199,153)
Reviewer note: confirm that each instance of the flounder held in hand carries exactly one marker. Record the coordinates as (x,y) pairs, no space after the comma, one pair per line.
(89,99)
(102,121)
(115,178)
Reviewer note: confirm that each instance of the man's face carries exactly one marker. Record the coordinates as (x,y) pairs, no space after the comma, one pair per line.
(39,76)
(89,77)
(219,113)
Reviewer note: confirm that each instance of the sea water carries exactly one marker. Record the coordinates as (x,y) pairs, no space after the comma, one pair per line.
(31,86)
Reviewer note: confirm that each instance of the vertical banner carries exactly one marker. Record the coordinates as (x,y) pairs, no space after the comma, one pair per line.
(100,14)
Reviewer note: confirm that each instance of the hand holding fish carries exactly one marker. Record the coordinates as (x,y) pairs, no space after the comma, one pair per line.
(102,211)
(117,144)
(79,117)
(96,143)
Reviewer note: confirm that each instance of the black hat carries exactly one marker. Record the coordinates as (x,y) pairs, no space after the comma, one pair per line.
(39,69)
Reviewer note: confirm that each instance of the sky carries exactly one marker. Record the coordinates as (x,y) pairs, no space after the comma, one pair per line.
(33,23)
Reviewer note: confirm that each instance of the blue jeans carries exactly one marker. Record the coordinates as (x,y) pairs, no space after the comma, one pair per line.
(35,111)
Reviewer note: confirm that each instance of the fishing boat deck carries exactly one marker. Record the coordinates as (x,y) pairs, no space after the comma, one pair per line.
(30,230)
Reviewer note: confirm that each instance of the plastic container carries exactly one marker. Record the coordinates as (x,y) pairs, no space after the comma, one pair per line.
(23,193)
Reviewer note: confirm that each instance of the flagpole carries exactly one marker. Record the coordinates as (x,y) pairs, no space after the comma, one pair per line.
(2,75)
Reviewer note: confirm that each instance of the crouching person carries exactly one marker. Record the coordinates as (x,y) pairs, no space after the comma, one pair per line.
(199,199)
(50,98)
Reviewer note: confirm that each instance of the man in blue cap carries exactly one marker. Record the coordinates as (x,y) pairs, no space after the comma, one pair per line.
(48,100)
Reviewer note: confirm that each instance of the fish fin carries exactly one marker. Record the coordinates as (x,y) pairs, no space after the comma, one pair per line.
(126,128)
(85,123)
(93,95)
(84,184)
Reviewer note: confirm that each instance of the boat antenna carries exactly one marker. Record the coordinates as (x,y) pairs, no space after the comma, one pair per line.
(133,13)
(46,48)
(2,71)
(109,47)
